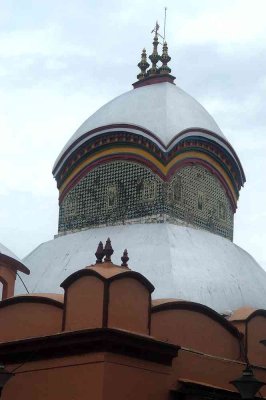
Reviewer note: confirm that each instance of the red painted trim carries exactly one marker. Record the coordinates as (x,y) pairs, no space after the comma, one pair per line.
(91,272)
(190,305)
(30,299)
(191,130)
(104,127)
(105,160)
(154,79)
(86,341)
(149,133)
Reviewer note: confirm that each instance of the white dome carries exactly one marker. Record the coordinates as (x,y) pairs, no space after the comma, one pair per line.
(181,262)
(4,250)
(163,109)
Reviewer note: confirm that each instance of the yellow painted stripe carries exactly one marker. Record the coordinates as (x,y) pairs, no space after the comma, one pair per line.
(140,152)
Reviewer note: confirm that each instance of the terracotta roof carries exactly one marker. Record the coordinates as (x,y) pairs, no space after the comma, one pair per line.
(11,260)
(242,313)
(158,302)
(49,298)
(53,296)
(165,305)
(108,269)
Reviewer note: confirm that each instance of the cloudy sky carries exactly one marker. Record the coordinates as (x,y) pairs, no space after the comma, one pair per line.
(60,60)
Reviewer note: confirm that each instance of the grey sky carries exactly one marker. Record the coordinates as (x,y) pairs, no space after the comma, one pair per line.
(61,60)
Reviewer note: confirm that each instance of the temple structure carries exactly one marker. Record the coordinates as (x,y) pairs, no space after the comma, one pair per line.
(105,338)
(152,171)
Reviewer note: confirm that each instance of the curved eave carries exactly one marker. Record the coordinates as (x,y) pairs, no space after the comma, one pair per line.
(31,299)
(164,109)
(247,314)
(149,135)
(194,146)
(189,158)
(14,263)
(197,307)
(93,272)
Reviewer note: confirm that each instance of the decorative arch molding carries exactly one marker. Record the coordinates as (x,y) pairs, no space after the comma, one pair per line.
(107,130)
(165,172)
(31,299)
(116,276)
(197,307)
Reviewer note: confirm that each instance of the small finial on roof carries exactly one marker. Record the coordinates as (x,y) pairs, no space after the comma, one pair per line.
(165,58)
(143,65)
(124,258)
(99,253)
(108,250)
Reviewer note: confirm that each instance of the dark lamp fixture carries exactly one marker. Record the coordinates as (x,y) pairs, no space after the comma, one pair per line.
(247,384)
(4,377)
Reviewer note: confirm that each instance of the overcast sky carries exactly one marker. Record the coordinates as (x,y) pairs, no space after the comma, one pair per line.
(60,60)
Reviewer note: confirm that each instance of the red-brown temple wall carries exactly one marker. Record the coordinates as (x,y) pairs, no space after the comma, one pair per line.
(136,379)
(7,278)
(199,368)
(195,330)
(24,320)
(129,305)
(84,304)
(66,378)
(97,376)
(256,331)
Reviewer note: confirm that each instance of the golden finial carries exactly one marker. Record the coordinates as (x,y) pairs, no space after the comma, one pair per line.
(155,74)
(143,65)
(154,57)
(165,58)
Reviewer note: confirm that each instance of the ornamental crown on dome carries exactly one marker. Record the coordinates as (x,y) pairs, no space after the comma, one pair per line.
(155,74)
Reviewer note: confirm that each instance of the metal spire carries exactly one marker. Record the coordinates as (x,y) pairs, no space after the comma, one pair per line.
(155,74)
(143,65)
(165,58)
(154,57)
(164,25)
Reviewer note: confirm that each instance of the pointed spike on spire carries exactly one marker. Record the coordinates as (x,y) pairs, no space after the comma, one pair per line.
(124,258)
(143,65)
(99,253)
(108,250)
(156,29)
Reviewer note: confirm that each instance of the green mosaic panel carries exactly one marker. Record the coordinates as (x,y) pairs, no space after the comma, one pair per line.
(125,192)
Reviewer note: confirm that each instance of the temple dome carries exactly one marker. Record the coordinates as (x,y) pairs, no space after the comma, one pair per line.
(163,109)
(181,262)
